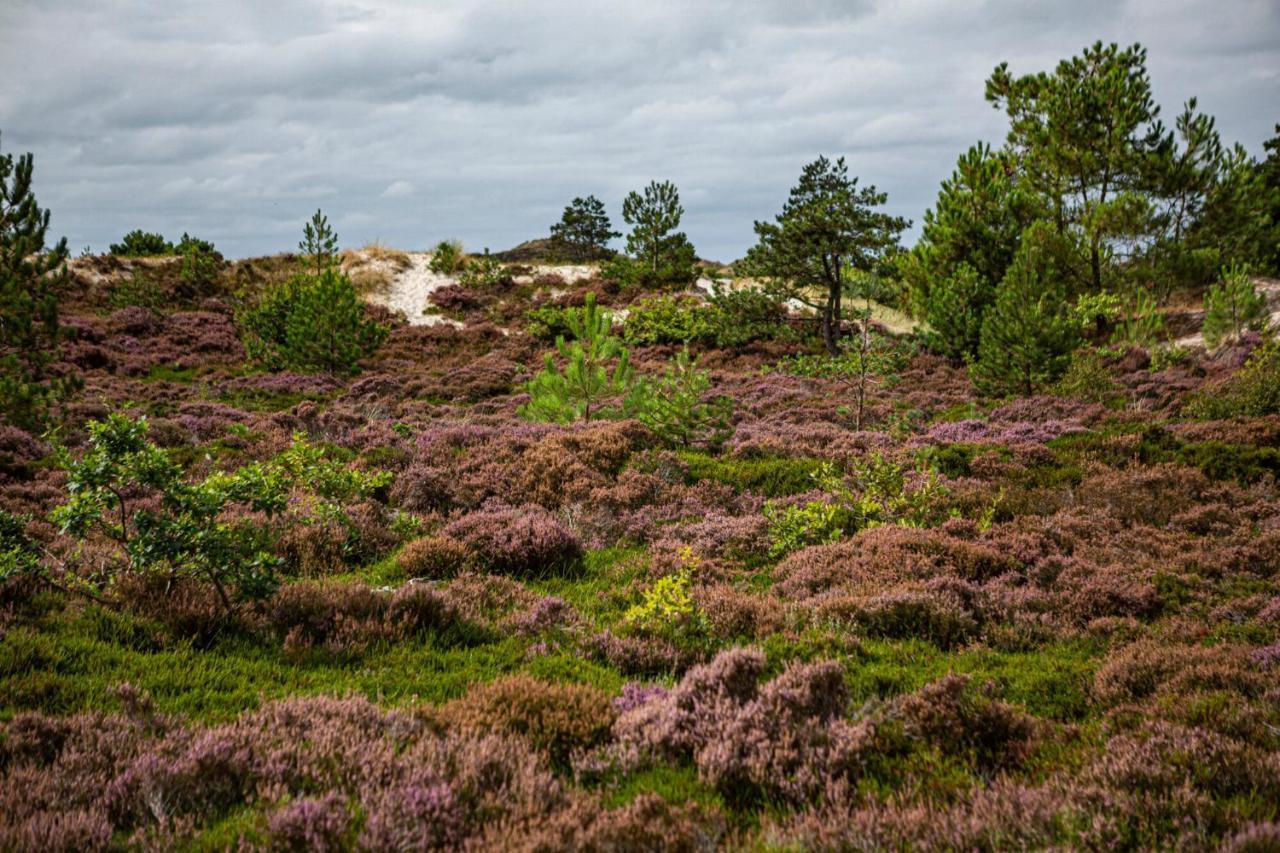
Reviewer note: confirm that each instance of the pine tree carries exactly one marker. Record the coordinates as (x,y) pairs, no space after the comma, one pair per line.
(828,229)
(327,328)
(967,242)
(584,231)
(664,255)
(29,275)
(1084,137)
(319,246)
(673,408)
(1232,307)
(597,367)
(1028,333)
(955,309)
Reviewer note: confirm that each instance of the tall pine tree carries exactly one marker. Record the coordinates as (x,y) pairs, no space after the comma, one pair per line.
(29,274)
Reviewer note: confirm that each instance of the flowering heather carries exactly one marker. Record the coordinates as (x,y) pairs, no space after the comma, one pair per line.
(545,637)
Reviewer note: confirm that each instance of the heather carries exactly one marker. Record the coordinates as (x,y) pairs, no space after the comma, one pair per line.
(640,553)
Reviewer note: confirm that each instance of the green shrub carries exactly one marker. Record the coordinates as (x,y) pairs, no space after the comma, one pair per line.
(814,523)
(448,257)
(141,244)
(668,320)
(1254,391)
(548,322)
(484,271)
(597,368)
(729,319)
(770,476)
(739,317)
(1087,378)
(185,534)
(311,323)
(673,408)
(1232,307)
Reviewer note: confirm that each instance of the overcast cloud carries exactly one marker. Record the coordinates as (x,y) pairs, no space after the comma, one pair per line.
(410,122)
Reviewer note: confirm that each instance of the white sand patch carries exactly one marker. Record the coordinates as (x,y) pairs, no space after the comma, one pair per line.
(568,273)
(409,289)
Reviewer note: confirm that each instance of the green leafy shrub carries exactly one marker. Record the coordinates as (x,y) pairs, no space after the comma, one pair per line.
(667,319)
(448,257)
(880,494)
(1142,324)
(141,244)
(597,368)
(1087,378)
(186,534)
(729,319)
(814,523)
(1232,307)
(667,608)
(484,271)
(548,322)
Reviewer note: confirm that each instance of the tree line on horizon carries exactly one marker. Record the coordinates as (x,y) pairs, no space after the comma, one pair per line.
(1091,208)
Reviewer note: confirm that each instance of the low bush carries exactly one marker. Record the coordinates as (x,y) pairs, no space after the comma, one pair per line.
(525,541)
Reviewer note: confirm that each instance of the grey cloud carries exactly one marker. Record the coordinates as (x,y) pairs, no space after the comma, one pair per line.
(480,119)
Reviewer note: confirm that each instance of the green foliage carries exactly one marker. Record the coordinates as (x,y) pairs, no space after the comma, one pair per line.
(954,309)
(1142,324)
(19,553)
(30,274)
(1232,307)
(667,608)
(1087,378)
(770,476)
(484,271)
(666,319)
(1028,334)
(200,265)
(1254,391)
(319,246)
(731,319)
(448,257)
(548,322)
(311,322)
(185,534)
(584,231)
(814,523)
(828,229)
(873,355)
(880,493)
(597,368)
(664,257)
(745,315)
(141,244)
(674,408)
(966,244)
(141,288)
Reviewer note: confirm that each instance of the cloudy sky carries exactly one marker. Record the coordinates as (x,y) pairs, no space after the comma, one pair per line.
(410,122)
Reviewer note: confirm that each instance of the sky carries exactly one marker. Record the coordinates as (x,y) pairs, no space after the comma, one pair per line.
(413,122)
